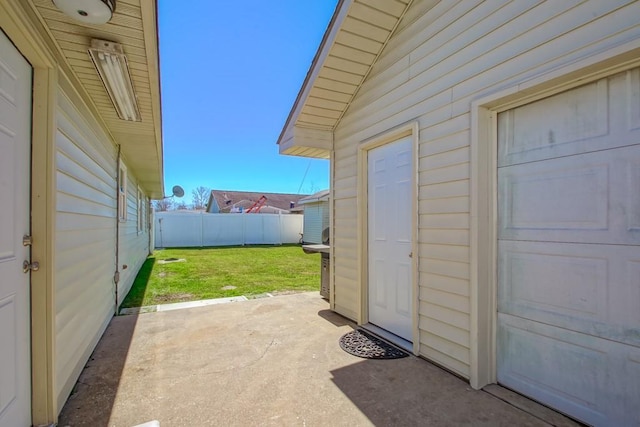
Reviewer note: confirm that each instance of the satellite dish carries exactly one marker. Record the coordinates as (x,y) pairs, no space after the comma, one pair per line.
(177,191)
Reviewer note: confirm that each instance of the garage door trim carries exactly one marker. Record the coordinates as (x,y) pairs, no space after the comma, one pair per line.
(484,150)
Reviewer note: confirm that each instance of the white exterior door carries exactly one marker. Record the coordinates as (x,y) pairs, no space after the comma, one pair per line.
(15,124)
(390,207)
(569,250)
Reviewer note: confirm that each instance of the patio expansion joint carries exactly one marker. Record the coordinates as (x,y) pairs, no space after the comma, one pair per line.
(180,305)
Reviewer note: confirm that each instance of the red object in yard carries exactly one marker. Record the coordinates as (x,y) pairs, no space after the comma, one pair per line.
(255,208)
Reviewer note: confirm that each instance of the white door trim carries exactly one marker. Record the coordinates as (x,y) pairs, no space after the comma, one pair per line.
(484,145)
(392,135)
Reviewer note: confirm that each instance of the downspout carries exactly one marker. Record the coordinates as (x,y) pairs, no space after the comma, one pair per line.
(116,275)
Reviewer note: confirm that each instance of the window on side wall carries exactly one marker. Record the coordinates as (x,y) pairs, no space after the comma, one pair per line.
(122,192)
(140,211)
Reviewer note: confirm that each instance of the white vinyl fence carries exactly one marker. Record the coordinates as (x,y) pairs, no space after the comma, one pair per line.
(191,229)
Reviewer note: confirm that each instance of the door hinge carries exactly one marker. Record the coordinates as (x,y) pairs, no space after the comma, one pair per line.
(27,240)
(27,266)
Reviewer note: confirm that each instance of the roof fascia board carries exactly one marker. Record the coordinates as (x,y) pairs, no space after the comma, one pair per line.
(149,12)
(341,12)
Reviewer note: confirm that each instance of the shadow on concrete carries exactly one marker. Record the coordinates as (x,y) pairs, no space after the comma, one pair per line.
(94,395)
(98,383)
(335,318)
(268,361)
(412,391)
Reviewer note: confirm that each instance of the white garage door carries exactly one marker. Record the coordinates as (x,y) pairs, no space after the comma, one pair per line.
(569,250)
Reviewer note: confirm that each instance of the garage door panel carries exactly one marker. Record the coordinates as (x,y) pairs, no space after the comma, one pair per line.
(591,289)
(531,133)
(630,405)
(568,324)
(531,276)
(598,116)
(586,198)
(578,366)
(633,91)
(633,205)
(578,194)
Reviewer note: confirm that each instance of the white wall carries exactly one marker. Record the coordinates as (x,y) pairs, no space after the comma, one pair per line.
(85,241)
(443,56)
(134,244)
(187,229)
(316,219)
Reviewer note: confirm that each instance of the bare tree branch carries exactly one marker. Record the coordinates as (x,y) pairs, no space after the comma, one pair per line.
(163,205)
(200,197)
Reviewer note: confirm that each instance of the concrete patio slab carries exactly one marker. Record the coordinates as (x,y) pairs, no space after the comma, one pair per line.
(266,362)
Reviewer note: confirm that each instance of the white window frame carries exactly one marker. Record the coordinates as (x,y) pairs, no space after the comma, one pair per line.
(122,192)
(140,210)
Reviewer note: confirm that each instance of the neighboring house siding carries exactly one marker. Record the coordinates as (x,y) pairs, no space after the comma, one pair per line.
(316,219)
(440,60)
(85,241)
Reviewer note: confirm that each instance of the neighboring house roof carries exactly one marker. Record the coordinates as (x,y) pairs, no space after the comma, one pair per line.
(320,196)
(226,200)
(134,26)
(355,37)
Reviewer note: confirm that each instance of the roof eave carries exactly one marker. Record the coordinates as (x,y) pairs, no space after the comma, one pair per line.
(341,11)
(355,38)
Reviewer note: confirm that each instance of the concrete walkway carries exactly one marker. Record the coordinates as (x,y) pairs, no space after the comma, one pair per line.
(268,362)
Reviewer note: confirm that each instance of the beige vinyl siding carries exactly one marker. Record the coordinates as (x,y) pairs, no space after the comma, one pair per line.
(312,223)
(134,246)
(316,219)
(442,58)
(85,241)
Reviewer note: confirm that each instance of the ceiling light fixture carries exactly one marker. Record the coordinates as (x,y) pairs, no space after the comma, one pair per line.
(88,11)
(111,64)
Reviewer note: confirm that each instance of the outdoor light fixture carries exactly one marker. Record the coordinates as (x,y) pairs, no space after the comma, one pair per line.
(88,11)
(111,64)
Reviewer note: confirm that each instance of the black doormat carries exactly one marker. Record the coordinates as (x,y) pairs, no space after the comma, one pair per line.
(363,344)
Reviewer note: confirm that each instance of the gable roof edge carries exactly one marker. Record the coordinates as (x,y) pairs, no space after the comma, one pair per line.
(341,11)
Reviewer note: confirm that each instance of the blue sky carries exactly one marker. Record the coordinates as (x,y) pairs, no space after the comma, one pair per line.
(230,72)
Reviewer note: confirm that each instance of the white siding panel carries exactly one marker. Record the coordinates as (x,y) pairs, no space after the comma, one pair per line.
(84,260)
(454,334)
(442,221)
(134,246)
(444,283)
(445,189)
(445,252)
(458,270)
(86,163)
(312,223)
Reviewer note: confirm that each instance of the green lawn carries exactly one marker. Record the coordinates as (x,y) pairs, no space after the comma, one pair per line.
(223,272)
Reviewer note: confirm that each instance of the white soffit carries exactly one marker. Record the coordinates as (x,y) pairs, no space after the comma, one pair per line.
(357,34)
(134,27)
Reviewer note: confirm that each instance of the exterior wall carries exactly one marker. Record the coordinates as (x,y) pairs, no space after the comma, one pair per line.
(85,241)
(134,243)
(441,59)
(316,219)
(213,208)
